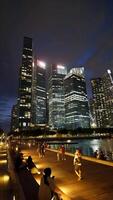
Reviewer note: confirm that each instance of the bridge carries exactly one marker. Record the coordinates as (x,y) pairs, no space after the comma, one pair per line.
(63,137)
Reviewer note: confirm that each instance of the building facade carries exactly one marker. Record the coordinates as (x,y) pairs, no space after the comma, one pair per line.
(39,94)
(56,97)
(76,102)
(98,101)
(14,118)
(25,85)
(102,90)
(107,79)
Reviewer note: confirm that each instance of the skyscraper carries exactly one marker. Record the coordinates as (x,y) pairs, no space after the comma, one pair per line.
(14,118)
(56,97)
(102,89)
(39,94)
(98,101)
(76,102)
(25,85)
(107,79)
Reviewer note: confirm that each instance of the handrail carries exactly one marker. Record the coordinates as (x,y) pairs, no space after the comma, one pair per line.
(104,162)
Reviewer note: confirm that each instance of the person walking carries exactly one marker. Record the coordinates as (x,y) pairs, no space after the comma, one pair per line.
(47,189)
(77,164)
(63,152)
(58,154)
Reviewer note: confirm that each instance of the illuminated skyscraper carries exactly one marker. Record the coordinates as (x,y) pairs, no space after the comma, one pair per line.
(98,101)
(14,118)
(76,102)
(25,85)
(102,89)
(56,97)
(39,94)
(107,79)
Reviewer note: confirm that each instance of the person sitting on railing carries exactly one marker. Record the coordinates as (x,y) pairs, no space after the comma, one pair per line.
(47,189)
(31,166)
(30,163)
(19,164)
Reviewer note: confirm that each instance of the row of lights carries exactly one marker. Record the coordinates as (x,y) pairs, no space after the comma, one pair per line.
(43,64)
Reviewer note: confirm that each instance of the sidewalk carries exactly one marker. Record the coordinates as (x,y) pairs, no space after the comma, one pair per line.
(97,181)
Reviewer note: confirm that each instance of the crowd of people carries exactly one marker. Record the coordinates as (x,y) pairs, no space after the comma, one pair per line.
(100,154)
(48,189)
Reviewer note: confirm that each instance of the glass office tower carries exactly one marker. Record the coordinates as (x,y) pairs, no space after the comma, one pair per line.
(102,90)
(76,102)
(99,101)
(56,97)
(39,117)
(25,85)
(107,79)
(14,118)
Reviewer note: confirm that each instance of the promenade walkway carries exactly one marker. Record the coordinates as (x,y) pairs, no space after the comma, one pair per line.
(97,183)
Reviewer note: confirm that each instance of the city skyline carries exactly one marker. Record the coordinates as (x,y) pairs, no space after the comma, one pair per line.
(67,32)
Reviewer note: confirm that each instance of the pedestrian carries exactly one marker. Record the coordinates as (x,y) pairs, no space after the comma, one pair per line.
(39,150)
(58,154)
(77,164)
(63,152)
(43,150)
(47,189)
(96,154)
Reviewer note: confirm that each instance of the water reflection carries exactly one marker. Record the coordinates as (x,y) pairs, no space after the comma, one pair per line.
(88,147)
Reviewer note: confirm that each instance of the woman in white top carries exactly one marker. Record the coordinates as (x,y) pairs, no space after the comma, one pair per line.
(77,164)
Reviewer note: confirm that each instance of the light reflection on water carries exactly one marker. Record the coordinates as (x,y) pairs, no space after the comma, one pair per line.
(88,147)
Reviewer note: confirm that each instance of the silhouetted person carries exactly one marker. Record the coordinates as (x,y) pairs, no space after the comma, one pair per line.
(47,186)
(30,163)
(19,161)
(96,154)
(102,155)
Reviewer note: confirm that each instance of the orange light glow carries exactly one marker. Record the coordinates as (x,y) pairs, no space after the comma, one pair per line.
(3,161)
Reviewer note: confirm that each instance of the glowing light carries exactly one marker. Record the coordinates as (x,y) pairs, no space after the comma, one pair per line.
(16,148)
(109,71)
(68,141)
(93,125)
(4,178)
(60,67)
(1,143)
(29,144)
(14,197)
(41,64)
(3,161)
(33,64)
(3,154)
(37,180)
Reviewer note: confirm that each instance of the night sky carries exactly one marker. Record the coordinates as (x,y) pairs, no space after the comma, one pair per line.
(69,32)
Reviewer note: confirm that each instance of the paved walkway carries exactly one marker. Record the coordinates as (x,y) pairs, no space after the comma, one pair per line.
(97,183)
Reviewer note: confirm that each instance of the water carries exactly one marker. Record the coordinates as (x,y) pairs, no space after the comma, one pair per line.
(88,147)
